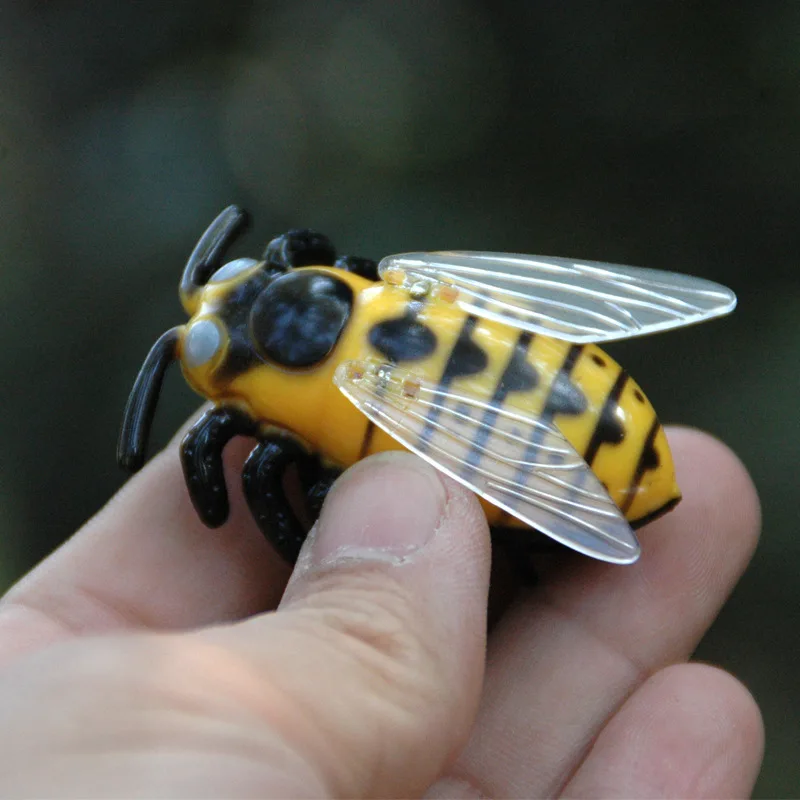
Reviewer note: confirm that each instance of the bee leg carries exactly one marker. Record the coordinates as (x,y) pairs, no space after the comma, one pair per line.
(300,248)
(365,267)
(317,482)
(201,456)
(521,545)
(263,480)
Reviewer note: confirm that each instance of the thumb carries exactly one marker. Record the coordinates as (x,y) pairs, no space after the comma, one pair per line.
(374,660)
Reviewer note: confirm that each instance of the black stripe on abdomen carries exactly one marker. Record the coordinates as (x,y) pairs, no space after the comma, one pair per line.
(403,339)
(518,376)
(399,340)
(648,460)
(561,399)
(608,430)
(466,358)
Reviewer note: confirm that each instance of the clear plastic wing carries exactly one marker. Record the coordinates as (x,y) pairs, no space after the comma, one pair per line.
(519,463)
(578,301)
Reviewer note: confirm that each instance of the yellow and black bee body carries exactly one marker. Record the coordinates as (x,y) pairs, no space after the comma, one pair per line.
(484,364)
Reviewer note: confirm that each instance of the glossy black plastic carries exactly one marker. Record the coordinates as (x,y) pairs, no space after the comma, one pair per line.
(201,456)
(300,247)
(263,479)
(206,258)
(297,320)
(141,406)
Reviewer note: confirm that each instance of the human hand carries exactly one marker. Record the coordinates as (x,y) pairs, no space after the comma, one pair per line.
(138,660)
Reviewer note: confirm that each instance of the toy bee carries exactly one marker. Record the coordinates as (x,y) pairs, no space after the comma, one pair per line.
(484,364)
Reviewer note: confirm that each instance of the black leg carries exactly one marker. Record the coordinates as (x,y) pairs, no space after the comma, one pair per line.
(201,454)
(521,545)
(365,267)
(263,479)
(317,485)
(300,248)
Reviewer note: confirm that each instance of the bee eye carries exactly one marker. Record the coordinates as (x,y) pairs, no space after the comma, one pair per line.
(232,269)
(202,343)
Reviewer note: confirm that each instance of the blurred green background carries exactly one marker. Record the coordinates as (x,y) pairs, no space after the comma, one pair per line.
(660,134)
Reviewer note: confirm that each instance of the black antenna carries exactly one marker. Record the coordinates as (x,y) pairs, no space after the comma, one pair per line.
(208,253)
(141,406)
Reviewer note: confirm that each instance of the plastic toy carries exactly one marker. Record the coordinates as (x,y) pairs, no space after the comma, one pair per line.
(485,364)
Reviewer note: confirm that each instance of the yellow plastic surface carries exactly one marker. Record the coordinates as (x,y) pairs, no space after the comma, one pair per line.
(308,403)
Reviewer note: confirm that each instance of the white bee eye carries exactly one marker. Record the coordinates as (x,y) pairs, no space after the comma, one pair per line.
(231,269)
(202,342)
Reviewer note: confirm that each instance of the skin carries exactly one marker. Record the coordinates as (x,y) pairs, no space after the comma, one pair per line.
(152,657)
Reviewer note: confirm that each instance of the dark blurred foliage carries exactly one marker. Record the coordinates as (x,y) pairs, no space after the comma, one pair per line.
(661,134)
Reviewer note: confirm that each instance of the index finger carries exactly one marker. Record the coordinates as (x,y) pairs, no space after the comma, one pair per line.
(147,561)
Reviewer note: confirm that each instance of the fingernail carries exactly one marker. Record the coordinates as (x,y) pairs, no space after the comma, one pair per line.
(383,509)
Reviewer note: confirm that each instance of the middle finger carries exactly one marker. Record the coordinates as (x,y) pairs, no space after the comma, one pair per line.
(567,656)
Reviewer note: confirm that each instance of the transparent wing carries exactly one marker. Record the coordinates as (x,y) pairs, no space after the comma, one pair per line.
(521,464)
(578,301)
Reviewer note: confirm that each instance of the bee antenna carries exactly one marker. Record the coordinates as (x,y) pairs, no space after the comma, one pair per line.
(206,258)
(141,406)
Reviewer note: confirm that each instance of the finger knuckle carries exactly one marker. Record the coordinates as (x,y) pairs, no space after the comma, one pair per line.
(377,624)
